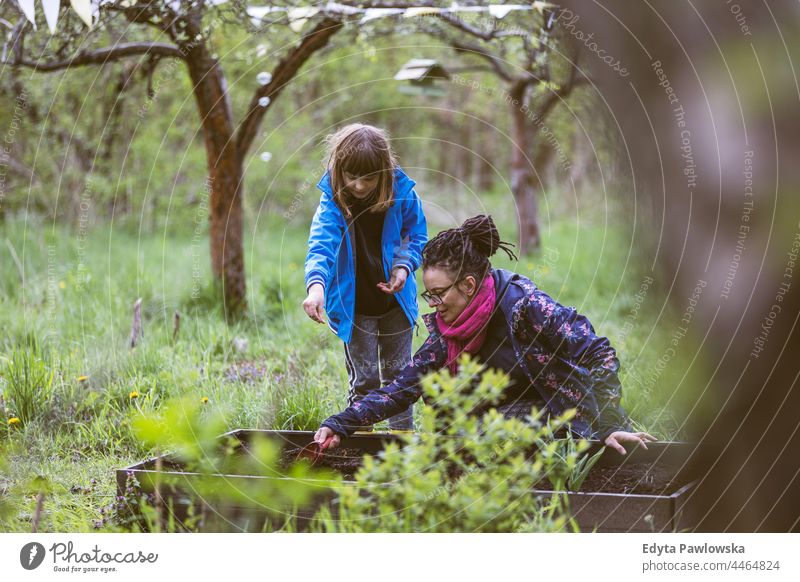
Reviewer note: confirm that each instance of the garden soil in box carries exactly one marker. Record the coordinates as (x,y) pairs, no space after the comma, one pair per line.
(639,492)
(639,478)
(343,460)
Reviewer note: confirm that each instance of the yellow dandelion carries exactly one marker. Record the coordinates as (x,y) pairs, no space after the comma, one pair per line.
(13,421)
(133,394)
(83,378)
(61,285)
(204,400)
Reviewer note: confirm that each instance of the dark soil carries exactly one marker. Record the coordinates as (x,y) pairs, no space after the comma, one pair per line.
(641,478)
(638,478)
(343,460)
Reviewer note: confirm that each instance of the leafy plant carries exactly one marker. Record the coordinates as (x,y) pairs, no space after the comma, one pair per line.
(568,466)
(300,409)
(191,433)
(29,383)
(461,472)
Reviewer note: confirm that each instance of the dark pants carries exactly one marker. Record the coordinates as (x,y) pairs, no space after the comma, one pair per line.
(379,349)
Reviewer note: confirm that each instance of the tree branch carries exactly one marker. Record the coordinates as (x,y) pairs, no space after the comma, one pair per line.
(458,23)
(101,56)
(495,61)
(283,73)
(564,91)
(18,167)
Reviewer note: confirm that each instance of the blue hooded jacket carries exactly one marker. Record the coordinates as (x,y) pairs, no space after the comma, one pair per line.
(555,346)
(330,253)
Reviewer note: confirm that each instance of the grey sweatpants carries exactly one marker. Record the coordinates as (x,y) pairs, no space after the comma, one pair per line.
(379,349)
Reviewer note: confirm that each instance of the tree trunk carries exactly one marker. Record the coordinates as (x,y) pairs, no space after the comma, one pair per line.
(745,324)
(488,150)
(464,156)
(523,174)
(445,150)
(226,218)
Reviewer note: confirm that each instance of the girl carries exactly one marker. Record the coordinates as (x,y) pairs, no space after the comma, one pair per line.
(551,352)
(365,244)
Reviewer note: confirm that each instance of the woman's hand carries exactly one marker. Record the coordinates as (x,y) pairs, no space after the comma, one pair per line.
(326,438)
(615,440)
(314,305)
(396,283)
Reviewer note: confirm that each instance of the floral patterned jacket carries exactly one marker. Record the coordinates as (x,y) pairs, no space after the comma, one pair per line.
(565,361)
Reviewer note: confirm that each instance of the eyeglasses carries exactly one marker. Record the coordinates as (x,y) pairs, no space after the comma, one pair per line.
(436,298)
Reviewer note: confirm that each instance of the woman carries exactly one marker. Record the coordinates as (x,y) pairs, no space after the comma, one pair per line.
(550,351)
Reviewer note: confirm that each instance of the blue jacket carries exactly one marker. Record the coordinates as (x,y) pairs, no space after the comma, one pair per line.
(330,254)
(556,347)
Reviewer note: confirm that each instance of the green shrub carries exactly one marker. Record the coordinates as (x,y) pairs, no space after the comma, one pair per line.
(460,473)
(190,433)
(300,408)
(28,386)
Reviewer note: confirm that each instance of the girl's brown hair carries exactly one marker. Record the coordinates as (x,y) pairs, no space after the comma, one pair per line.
(361,150)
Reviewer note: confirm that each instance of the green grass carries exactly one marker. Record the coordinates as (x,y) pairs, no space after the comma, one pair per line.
(70,295)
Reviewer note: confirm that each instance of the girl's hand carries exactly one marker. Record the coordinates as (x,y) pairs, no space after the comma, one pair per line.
(326,438)
(615,440)
(397,282)
(314,305)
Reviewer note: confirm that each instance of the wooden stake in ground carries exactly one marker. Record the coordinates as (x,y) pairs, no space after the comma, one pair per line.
(159,500)
(176,325)
(37,514)
(136,327)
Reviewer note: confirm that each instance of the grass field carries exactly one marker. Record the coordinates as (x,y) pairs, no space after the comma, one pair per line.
(70,293)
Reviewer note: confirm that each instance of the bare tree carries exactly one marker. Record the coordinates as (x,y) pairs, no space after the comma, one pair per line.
(227,142)
(521,57)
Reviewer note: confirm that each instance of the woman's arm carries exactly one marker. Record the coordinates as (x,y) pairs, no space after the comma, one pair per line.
(386,402)
(570,333)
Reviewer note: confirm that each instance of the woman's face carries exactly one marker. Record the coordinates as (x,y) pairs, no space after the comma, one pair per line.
(360,187)
(448,296)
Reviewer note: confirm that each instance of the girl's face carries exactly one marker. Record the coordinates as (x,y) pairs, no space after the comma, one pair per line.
(447,295)
(360,187)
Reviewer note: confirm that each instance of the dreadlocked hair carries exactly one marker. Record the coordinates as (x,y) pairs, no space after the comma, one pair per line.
(466,250)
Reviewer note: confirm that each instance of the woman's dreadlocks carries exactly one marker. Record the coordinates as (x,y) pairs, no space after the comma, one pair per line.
(466,250)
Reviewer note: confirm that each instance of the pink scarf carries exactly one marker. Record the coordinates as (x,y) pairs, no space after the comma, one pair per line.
(467,332)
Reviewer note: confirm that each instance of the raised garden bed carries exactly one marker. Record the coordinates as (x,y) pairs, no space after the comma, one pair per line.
(641,492)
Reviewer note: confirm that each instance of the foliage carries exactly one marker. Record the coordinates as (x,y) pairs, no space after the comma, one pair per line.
(462,472)
(28,383)
(569,467)
(76,302)
(191,433)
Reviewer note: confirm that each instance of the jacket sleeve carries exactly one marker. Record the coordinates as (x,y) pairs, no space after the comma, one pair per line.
(386,402)
(414,233)
(571,334)
(323,241)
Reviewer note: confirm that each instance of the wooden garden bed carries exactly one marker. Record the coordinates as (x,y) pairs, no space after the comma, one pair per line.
(641,492)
